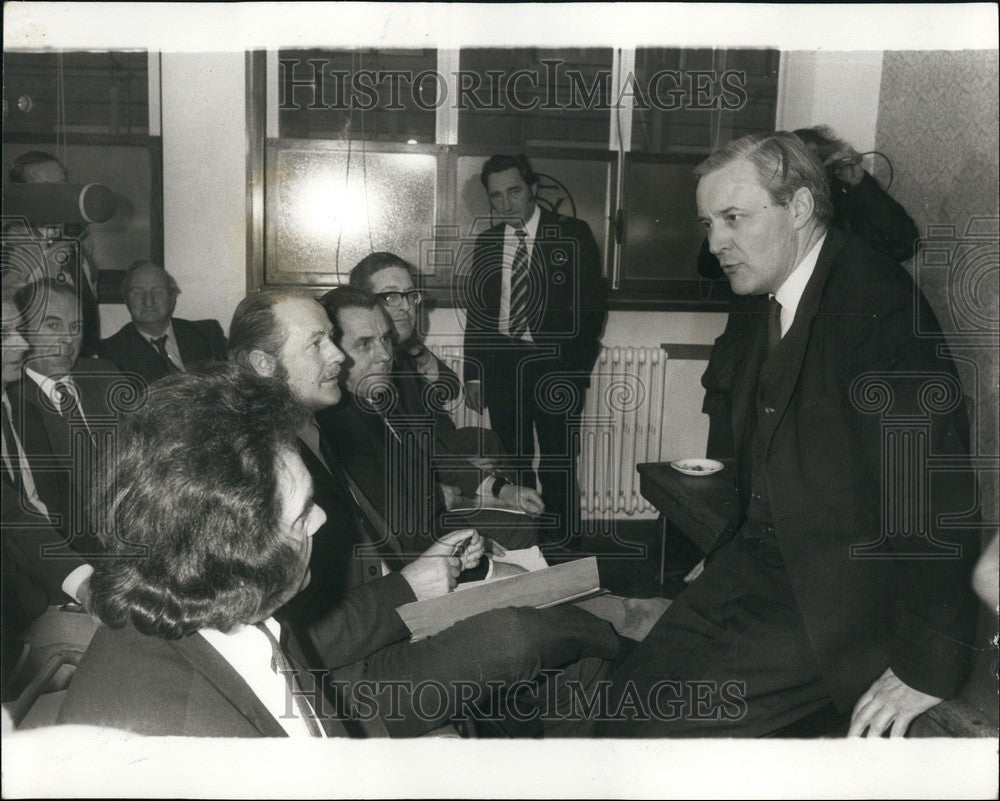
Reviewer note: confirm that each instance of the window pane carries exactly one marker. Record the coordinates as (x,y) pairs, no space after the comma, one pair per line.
(662,235)
(371,95)
(693,100)
(520,98)
(575,188)
(103,93)
(323,218)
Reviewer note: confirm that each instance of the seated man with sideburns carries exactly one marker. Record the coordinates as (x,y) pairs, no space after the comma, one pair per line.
(209,530)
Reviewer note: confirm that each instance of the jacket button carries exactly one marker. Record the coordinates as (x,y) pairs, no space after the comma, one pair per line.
(372,570)
(768,410)
(755,496)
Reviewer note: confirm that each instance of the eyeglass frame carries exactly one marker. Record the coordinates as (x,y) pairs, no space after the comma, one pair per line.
(412,297)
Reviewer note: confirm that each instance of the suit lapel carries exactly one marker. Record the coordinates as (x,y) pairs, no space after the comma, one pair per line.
(143,349)
(791,351)
(745,382)
(211,666)
(190,343)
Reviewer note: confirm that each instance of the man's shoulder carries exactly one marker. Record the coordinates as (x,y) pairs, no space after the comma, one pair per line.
(208,326)
(96,367)
(863,277)
(564,225)
(127,333)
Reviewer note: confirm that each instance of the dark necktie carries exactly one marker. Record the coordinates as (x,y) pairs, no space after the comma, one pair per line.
(773,323)
(281,665)
(65,397)
(161,348)
(519,288)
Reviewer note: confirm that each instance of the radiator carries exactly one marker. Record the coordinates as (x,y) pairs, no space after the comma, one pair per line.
(622,425)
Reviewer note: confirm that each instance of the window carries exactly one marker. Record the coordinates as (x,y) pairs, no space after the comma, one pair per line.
(375,149)
(91,111)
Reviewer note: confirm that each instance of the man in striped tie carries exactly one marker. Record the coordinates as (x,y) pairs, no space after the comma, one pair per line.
(536,303)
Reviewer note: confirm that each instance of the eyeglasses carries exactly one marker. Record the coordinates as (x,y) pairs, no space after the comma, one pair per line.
(394,300)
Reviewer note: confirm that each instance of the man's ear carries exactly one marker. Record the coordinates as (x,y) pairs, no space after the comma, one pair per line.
(262,363)
(801,207)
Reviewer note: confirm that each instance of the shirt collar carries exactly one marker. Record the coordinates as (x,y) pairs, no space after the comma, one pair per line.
(48,385)
(530,227)
(169,333)
(790,292)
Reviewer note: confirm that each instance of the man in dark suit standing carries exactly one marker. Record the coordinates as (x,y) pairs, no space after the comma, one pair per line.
(535,303)
(211,531)
(844,581)
(156,343)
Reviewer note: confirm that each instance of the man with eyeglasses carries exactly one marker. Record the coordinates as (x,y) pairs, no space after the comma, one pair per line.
(156,343)
(471,460)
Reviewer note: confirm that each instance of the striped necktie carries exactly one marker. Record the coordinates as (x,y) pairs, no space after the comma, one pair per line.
(518,324)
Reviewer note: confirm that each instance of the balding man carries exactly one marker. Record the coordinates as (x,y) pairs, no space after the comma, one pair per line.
(839,584)
(156,343)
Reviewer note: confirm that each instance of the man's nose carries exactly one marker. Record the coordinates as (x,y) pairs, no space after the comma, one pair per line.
(718,239)
(332,353)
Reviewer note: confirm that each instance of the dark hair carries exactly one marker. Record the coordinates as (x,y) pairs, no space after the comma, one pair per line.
(821,140)
(501,162)
(190,503)
(362,272)
(29,159)
(32,299)
(254,327)
(784,165)
(346,297)
(175,290)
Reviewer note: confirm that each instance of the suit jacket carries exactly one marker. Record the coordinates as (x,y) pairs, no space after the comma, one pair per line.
(30,583)
(566,266)
(197,340)
(348,610)
(63,454)
(850,355)
(151,686)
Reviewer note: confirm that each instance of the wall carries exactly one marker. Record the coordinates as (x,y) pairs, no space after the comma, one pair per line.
(203,124)
(831,88)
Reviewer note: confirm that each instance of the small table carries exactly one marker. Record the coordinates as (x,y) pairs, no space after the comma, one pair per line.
(700,507)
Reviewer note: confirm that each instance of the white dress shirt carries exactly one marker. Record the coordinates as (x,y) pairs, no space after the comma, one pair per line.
(790,292)
(510,244)
(249,653)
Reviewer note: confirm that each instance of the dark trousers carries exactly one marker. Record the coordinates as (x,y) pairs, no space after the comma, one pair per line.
(729,658)
(532,393)
(484,662)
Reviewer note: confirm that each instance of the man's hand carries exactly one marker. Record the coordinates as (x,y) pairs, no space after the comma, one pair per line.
(524,498)
(888,701)
(471,549)
(451,495)
(435,572)
(474,396)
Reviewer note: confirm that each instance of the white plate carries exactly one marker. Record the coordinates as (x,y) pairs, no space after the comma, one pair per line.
(697,467)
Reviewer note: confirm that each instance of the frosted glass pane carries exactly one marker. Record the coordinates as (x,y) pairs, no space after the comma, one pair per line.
(324,215)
